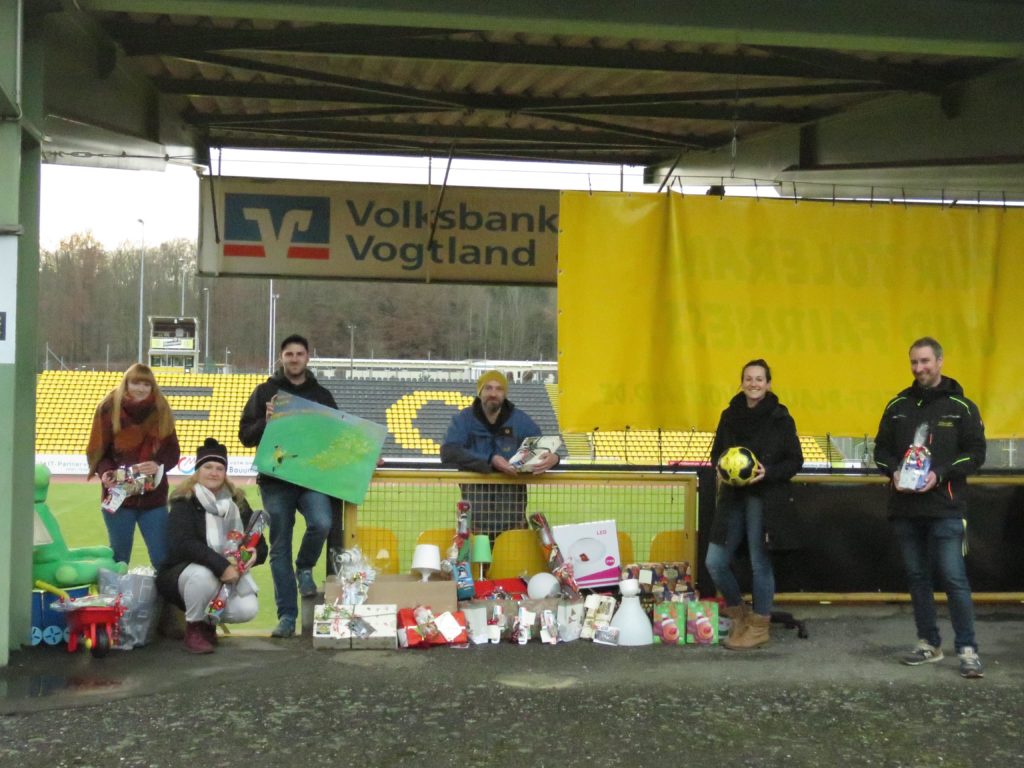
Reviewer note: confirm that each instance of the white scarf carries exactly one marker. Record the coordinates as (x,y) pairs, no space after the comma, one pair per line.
(222,517)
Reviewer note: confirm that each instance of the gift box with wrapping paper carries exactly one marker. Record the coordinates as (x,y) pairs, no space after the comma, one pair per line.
(355,627)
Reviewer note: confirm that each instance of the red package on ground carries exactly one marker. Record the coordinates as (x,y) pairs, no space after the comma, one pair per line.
(512,588)
(419,627)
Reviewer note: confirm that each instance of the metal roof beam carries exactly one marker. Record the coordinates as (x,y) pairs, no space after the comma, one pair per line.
(190,42)
(944,27)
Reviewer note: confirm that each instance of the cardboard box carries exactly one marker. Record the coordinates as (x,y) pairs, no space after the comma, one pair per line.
(593,550)
(355,627)
(404,591)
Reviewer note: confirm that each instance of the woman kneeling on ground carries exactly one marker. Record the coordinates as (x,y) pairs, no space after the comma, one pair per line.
(756,420)
(204,510)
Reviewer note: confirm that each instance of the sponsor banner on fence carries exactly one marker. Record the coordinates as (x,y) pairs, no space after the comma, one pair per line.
(76,464)
(413,233)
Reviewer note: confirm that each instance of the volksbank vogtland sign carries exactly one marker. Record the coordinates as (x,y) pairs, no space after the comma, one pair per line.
(377,231)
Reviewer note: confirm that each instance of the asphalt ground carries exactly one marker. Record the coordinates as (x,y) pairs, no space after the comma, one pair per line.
(839,698)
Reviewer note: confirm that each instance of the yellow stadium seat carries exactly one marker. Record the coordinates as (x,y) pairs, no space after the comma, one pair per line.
(442,537)
(379,546)
(668,546)
(516,552)
(625,548)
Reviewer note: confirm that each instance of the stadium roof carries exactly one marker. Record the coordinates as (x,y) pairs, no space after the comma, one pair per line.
(918,93)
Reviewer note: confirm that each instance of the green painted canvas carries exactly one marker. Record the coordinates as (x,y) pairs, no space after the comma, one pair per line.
(320,448)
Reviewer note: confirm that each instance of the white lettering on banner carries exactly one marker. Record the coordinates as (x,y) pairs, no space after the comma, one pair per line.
(76,464)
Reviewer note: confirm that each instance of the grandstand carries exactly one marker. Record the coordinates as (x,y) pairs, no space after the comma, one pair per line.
(416,414)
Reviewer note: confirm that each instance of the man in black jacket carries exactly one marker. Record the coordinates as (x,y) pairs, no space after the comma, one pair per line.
(930,521)
(280,498)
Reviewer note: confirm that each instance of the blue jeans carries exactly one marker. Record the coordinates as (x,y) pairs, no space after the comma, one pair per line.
(281,500)
(121,532)
(746,517)
(924,541)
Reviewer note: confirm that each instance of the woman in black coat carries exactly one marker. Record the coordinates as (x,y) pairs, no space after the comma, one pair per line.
(206,511)
(756,420)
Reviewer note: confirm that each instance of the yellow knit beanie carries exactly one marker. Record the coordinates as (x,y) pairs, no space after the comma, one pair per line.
(486,376)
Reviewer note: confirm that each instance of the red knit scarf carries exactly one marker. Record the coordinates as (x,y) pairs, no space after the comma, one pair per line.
(139,436)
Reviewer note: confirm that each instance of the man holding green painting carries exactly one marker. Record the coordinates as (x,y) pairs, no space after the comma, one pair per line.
(281,499)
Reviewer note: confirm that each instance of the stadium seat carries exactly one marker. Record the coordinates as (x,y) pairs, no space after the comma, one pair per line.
(379,546)
(442,537)
(516,552)
(626,555)
(668,546)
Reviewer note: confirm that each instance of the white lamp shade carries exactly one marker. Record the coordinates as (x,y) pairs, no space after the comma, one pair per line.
(633,625)
(426,559)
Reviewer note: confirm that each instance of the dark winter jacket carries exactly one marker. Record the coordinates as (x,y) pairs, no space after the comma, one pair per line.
(770,432)
(956,439)
(254,415)
(186,544)
(471,440)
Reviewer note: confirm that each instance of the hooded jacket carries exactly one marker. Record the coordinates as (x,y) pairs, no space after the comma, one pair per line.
(254,415)
(956,439)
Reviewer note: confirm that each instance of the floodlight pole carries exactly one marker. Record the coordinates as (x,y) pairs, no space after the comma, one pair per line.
(206,328)
(142,281)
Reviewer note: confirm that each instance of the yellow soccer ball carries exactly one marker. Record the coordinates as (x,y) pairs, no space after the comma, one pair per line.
(737,465)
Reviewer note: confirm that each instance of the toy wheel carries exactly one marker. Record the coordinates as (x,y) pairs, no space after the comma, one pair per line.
(67,635)
(101,646)
(54,635)
(36,636)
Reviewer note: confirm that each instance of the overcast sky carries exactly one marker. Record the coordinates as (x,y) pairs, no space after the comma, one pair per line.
(109,203)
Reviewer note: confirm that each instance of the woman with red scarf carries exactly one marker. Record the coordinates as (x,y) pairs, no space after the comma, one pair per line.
(134,426)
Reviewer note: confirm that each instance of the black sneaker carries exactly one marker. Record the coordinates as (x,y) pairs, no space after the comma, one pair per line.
(970,663)
(924,653)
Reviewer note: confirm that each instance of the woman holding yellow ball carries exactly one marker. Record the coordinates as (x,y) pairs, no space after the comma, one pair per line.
(749,497)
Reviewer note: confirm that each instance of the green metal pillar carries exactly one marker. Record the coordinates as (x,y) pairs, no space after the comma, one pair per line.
(19,281)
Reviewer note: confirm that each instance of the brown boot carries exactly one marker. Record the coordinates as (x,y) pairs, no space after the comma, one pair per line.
(195,638)
(738,616)
(756,634)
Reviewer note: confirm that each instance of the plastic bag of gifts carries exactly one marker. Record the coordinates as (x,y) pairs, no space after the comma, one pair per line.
(355,574)
(138,596)
(127,482)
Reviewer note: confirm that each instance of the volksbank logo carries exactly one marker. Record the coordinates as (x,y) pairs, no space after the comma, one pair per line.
(297,226)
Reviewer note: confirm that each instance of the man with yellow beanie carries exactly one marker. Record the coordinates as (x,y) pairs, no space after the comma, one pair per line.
(482,438)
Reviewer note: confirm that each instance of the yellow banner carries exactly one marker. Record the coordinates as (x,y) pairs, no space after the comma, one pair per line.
(663,298)
(322,229)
